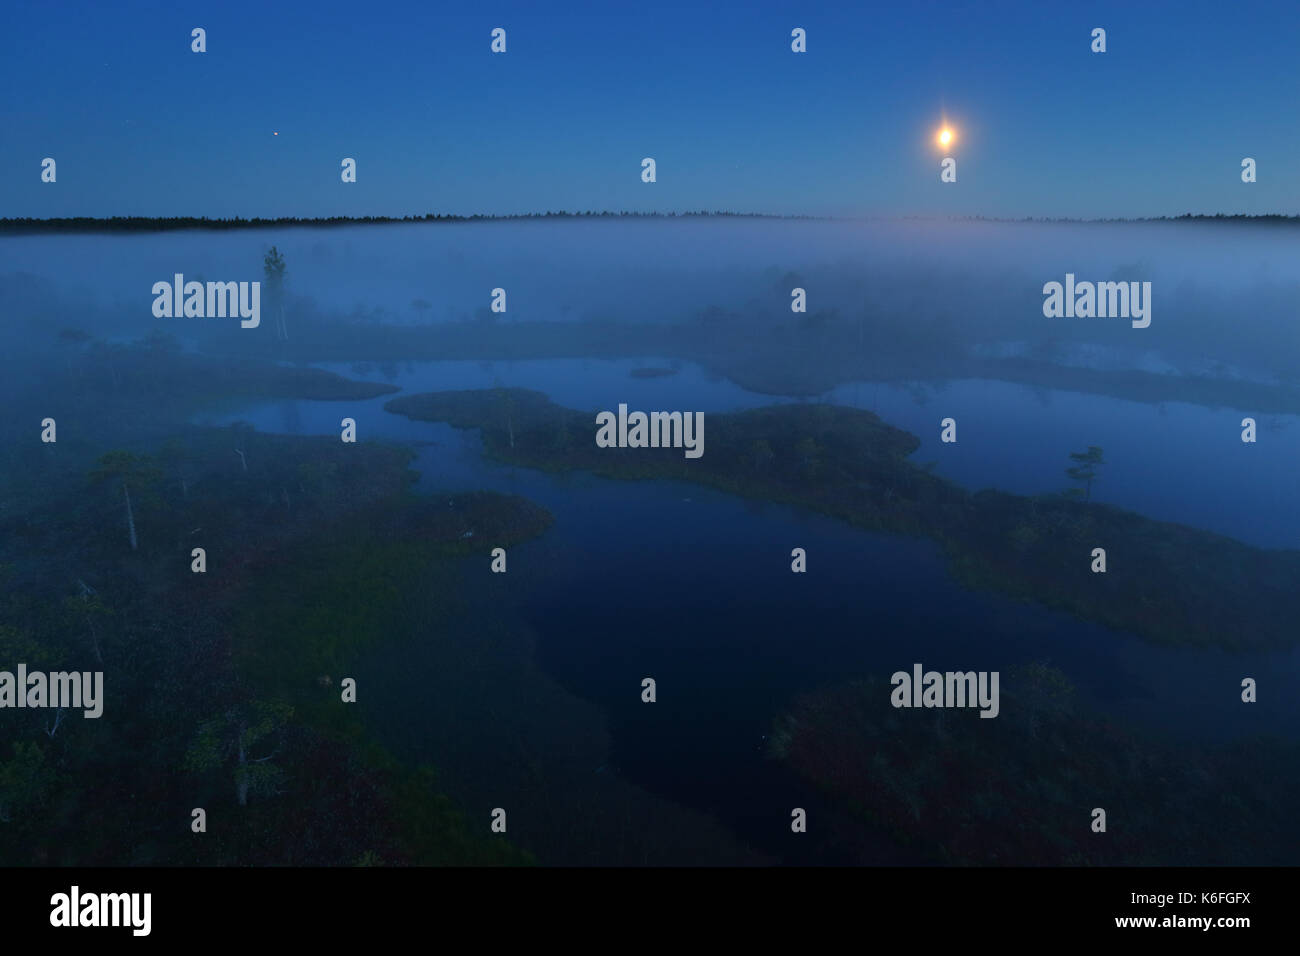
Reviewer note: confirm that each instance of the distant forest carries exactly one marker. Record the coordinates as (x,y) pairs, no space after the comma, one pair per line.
(154,224)
(149,224)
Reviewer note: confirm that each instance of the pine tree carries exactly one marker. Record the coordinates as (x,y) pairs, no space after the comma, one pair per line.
(274,268)
(1085,471)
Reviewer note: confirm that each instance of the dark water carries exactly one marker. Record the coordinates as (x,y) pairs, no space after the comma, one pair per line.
(1175,461)
(693,587)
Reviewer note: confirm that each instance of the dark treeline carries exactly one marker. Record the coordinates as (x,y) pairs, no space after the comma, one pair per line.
(159,224)
(1270,219)
(82,224)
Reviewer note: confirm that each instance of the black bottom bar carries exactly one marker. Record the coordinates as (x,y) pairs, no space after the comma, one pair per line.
(996,905)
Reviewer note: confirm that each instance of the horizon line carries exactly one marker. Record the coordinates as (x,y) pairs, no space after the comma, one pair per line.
(164,223)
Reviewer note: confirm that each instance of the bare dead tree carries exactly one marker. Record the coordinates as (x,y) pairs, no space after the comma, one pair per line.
(58,719)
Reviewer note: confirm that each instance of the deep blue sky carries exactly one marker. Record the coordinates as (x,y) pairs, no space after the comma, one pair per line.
(139,125)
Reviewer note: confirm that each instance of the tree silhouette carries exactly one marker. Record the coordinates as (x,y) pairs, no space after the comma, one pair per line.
(232,739)
(274,268)
(1085,471)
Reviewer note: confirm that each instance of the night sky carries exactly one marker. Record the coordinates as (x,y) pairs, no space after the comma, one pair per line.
(140,125)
